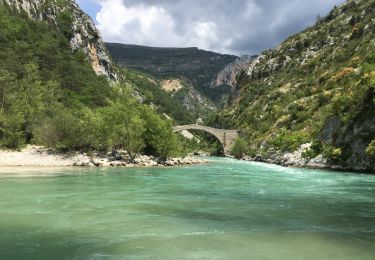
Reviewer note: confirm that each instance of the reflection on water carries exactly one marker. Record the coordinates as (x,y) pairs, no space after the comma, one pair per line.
(224,210)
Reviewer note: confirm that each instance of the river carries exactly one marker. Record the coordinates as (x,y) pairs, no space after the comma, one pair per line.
(226,209)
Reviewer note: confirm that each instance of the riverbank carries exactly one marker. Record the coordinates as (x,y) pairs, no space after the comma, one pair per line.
(297,160)
(38,156)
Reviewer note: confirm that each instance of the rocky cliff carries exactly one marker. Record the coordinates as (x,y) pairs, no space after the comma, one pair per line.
(76,25)
(228,76)
(315,91)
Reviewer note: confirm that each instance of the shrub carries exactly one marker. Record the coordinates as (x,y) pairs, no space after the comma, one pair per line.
(239,148)
(370,150)
(123,126)
(65,23)
(158,137)
(289,141)
(370,57)
(357,32)
(313,151)
(331,153)
(11,134)
(343,55)
(61,130)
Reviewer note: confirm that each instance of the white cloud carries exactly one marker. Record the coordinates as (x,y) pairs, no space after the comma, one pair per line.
(152,26)
(236,26)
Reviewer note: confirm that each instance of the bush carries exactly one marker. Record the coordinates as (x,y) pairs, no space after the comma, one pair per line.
(22,101)
(123,125)
(343,55)
(370,150)
(239,148)
(65,23)
(158,136)
(313,151)
(370,57)
(11,134)
(289,141)
(61,130)
(331,153)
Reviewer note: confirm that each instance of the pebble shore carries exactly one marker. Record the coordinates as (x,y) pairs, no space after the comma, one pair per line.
(37,156)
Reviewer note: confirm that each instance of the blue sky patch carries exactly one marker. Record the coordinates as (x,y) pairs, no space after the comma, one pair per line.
(90,7)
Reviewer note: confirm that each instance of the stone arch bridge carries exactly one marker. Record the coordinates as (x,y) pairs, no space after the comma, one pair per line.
(226,137)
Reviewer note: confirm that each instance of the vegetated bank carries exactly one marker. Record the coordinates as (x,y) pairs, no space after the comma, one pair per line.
(310,100)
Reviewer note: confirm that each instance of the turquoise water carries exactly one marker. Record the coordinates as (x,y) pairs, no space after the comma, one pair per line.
(223,210)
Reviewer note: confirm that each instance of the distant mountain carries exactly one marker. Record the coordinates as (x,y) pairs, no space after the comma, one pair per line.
(311,100)
(197,67)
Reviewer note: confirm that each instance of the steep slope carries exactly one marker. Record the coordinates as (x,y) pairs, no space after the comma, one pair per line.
(197,67)
(77,27)
(316,89)
(152,92)
(45,45)
(82,37)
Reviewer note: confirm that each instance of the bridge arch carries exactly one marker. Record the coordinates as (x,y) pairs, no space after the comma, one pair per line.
(225,137)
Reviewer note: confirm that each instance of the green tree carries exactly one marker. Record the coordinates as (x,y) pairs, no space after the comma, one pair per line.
(159,137)
(21,102)
(124,126)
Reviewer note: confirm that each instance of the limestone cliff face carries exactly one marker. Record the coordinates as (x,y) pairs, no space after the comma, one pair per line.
(228,75)
(85,36)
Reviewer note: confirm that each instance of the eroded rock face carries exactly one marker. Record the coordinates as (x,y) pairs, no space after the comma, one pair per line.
(228,75)
(85,37)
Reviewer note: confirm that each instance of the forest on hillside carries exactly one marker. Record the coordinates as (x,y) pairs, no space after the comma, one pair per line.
(51,96)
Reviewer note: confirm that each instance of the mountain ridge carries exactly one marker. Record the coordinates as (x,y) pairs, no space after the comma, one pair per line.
(206,78)
(198,67)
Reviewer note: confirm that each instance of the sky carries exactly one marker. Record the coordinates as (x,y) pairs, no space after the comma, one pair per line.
(225,26)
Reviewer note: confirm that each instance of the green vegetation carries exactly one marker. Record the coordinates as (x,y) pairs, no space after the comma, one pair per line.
(370,151)
(150,89)
(64,21)
(318,86)
(239,148)
(51,96)
(288,142)
(23,41)
(333,154)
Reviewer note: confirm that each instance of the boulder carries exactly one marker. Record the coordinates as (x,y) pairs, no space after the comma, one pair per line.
(137,160)
(169,163)
(153,163)
(98,162)
(116,164)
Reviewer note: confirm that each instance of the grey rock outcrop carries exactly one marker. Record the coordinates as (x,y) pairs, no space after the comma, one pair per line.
(228,76)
